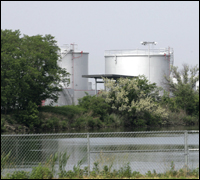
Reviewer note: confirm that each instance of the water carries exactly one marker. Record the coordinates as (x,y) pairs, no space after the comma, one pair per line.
(126,129)
(116,129)
(143,150)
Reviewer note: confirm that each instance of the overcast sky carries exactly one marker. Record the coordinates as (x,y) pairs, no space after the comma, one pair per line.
(100,26)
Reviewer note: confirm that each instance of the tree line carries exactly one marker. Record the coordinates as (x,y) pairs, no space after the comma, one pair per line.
(141,103)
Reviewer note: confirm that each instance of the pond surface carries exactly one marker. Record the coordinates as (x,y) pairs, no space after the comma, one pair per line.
(128,129)
(117,129)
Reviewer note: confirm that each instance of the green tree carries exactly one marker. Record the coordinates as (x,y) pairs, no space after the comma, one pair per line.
(181,85)
(29,70)
(10,43)
(136,99)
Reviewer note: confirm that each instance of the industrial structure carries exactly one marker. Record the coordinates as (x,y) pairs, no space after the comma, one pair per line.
(76,63)
(153,63)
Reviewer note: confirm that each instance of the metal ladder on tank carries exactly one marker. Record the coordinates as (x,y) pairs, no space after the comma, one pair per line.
(170,58)
(65,53)
(67,96)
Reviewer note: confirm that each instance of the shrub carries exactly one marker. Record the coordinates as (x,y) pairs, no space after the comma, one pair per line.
(80,122)
(194,172)
(109,120)
(51,161)
(176,118)
(115,119)
(139,122)
(136,174)
(10,119)
(77,171)
(28,116)
(62,158)
(69,110)
(99,123)
(190,120)
(96,104)
(149,174)
(126,171)
(64,124)
(106,171)
(18,175)
(4,160)
(49,123)
(41,172)
(69,174)
(3,128)
(91,122)
(96,168)
(55,122)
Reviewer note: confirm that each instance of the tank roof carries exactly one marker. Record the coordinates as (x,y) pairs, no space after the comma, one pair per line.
(161,51)
(99,76)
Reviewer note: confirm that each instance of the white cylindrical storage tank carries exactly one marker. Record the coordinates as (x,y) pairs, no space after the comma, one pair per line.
(76,63)
(154,64)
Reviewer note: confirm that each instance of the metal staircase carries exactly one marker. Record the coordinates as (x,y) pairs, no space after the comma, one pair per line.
(67,96)
(170,58)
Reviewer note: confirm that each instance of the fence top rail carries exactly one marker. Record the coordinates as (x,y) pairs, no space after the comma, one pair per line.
(135,132)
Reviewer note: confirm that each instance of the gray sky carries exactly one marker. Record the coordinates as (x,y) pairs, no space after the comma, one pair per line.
(100,26)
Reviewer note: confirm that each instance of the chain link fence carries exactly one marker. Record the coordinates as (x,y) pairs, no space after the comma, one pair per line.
(144,151)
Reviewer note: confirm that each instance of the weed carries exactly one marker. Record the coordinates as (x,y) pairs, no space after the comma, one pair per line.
(149,174)
(18,175)
(96,167)
(3,128)
(4,160)
(136,174)
(93,173)
(47,171)
(172,169)
(51,162)
(182,172)
(41,172)
(62,158)
(126,171)
(77,171)
(69,174)
(85,170)
(195,172)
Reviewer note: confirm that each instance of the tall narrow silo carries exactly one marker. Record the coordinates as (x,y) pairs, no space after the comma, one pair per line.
(154,64)
(76,64)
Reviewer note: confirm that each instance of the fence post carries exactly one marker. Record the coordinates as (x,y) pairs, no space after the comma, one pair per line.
(88,151)
(186,149)
(17,142)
